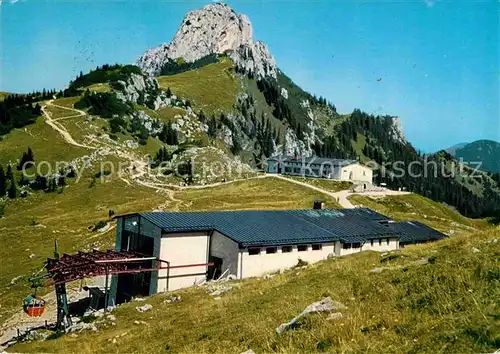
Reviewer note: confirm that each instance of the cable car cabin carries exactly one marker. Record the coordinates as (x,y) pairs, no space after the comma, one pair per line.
(34,306)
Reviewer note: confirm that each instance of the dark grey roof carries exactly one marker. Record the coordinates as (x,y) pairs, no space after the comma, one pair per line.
(314,160)
(279,227)
(414,231)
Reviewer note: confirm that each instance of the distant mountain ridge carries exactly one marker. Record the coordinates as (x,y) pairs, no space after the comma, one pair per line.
(485,151)
(452,149)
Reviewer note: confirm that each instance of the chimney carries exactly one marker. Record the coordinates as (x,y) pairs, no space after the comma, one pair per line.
(318,204)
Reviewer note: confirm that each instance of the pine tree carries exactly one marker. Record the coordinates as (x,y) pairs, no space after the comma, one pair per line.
(9,172)
(212,127)
(12,192)
(3,183)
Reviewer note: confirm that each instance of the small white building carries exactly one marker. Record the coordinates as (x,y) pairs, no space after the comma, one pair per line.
(316,167)
(196,246)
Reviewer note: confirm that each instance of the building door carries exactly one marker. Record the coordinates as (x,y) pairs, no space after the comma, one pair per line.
(136,284)
(216,271)
(279,168)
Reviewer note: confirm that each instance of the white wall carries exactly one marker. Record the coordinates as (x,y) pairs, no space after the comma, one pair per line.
(183,249)
(393,245)
(379,247)
(257,265)
(225,248)
(359,173)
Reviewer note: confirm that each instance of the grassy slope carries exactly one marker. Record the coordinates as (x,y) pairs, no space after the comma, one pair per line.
(212,88)
(266,193)
(47,144)
(326,184)
(448,305)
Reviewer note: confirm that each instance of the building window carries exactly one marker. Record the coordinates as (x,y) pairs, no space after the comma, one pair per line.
(356,245)
(346,246)
(286,249)
(302,248)
(271,250)
(317,247)
(253,251)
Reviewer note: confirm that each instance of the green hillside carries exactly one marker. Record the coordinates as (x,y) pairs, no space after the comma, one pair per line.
(440,297)
(212,88)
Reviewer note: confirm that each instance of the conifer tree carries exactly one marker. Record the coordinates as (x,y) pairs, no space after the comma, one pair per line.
(12,192)
(3,183)
(9,174)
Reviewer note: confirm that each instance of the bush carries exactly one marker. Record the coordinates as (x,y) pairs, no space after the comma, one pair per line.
(99,225)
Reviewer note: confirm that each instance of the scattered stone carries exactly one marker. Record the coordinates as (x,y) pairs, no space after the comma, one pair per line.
(422,261)
(218,290)
(217,298)
(144,308)
(269,276)
(249,351)
(139,322)
(14,280)
(325,305)
(335,316)
(111,318)
(35,335)
(82,326)
(475,250)
(139,299)
(377,270)
(73,335)
(31,256)
(172,300)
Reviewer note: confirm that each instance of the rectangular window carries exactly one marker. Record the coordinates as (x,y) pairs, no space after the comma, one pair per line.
(253,251)
(271,250)
(286,249)
(302,248)
(356,245)
(346,246)
(317,247)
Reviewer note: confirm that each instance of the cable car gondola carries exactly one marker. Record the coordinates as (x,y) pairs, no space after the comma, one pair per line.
(34,306)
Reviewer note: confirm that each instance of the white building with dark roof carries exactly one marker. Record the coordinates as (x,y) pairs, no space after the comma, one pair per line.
(191,247)
(317,167)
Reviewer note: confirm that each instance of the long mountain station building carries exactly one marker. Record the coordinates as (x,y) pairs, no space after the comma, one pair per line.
(200,246)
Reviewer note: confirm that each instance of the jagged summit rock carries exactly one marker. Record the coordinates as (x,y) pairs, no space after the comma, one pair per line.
(214,29)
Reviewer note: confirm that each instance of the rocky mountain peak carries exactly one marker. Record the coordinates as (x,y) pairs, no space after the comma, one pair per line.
(214,29)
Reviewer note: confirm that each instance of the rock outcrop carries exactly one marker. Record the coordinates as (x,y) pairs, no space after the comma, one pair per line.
(397,130)
(142,89)
(215,29)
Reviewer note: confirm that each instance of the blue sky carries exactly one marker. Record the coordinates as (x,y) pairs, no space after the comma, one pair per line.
(438,61)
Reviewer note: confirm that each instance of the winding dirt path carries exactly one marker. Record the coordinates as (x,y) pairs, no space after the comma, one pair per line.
(342,196)
(61,129)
